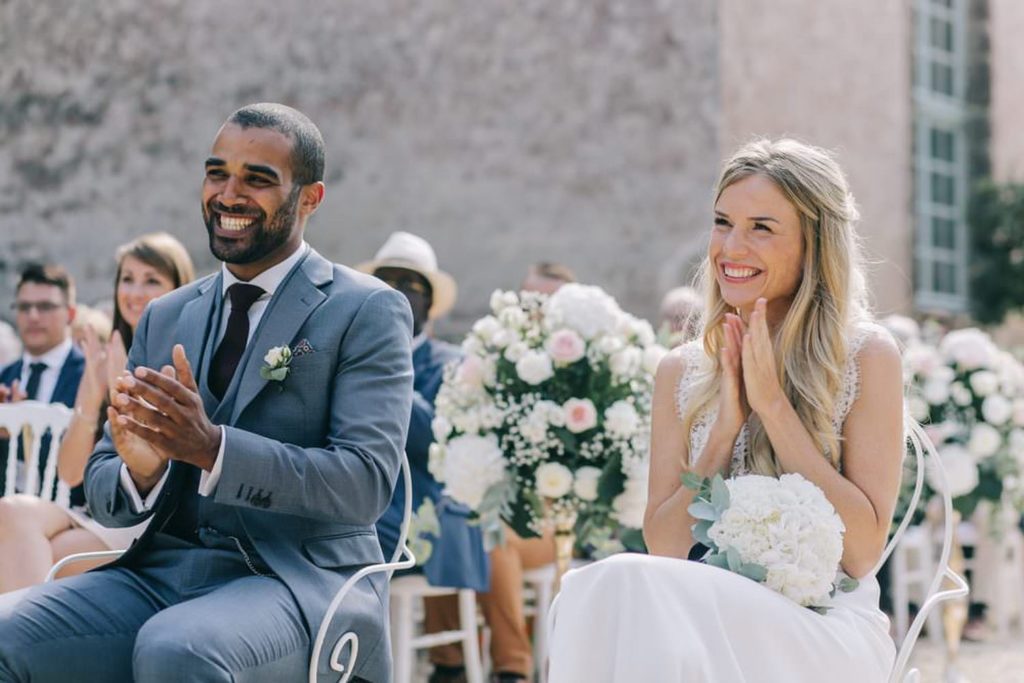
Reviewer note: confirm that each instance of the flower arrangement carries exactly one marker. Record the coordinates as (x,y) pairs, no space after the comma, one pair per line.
(547,417)
(781,532)
(970,396)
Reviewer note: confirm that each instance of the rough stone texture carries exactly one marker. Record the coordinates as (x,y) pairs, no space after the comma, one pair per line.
(1006,26)
(580,131)
(835,75)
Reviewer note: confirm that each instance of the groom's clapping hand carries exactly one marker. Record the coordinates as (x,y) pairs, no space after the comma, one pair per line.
(166,411)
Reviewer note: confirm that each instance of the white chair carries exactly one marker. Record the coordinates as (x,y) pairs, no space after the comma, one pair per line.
(407,594)
(31,420)
(933,596)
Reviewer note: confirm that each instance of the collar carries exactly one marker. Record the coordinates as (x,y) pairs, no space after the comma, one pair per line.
(270,279)
(54,358)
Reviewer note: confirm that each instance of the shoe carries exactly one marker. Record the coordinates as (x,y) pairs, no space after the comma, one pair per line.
(447,674)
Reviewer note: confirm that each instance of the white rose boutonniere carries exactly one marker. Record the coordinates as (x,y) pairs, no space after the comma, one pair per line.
(275,364)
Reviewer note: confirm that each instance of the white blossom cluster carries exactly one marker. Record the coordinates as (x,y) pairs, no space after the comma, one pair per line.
(788,527)
(557,390)
(970,396)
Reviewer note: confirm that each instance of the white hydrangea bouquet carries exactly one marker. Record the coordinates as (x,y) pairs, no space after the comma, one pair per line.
(970,396)
(546,419)
(781,532)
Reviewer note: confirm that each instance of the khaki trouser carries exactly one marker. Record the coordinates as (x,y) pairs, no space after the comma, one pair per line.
(502,606)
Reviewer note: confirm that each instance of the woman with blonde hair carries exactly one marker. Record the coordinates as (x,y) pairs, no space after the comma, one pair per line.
(790,375)
(35,533)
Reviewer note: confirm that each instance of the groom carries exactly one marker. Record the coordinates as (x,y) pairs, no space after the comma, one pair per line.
(263,476)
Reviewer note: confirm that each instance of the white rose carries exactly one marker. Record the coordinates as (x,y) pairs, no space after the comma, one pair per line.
(587,309)
(472,465)
(918,409)
(985,440)
(565,346)
(961,395)
(626,362)
(580,415)
(905,329)
(513,317)
(961,472)
(1018,412)
(621,419)
(610,344)
(969,348)
(441,428)
(984,382)
(435,462)
(501,300)
(552,411)
(486,328)
(554,480)
(472,346)
(273,357)
(996,409)
(936,391)
(502,338)
(515,351)
(534,367)
(921,359)
(652,358)
(630,505)
(639,330)
(470,372)
(585,486)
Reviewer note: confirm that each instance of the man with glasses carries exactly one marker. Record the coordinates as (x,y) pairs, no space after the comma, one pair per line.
(457,559)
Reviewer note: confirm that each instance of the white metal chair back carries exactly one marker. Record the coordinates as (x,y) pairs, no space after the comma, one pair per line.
(402,558)
(923,446)
(31,420)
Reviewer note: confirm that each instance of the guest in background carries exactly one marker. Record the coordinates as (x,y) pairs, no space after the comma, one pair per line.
(87,317)
(35,533)
(681,311)
(457,559)
(10,346)
(546,277)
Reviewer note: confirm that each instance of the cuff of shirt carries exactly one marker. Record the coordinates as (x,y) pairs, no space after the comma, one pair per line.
(138,504)
(208,480)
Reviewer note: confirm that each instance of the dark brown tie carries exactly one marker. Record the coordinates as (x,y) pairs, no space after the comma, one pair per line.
(232,346)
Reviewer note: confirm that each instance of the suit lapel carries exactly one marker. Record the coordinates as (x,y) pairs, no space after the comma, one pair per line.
(197,319)
(291,305)
(67,381)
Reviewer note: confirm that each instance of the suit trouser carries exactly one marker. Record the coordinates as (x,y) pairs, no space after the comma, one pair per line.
(502,606)
(187,614)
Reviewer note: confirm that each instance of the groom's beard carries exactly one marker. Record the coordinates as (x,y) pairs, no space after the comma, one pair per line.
(264,236)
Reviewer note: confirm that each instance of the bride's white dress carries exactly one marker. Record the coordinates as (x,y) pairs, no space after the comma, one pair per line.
(651,619)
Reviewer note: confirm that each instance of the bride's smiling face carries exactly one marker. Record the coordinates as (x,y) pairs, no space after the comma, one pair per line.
(757,246)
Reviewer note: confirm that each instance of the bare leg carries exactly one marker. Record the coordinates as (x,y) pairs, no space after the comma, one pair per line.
(27,524)
(76,540)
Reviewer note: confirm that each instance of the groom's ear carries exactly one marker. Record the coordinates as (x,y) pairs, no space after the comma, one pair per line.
(310,197)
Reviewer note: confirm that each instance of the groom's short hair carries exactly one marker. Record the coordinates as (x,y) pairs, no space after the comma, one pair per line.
(307,143)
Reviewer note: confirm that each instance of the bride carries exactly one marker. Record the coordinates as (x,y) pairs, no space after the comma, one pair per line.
(790,376)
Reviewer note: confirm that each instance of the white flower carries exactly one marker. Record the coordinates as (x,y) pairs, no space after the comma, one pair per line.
(580,415)
(787,526)
(985,440)
(470,372)
(441,428)
(466,421)
(621,419)
(918,409)
(472,346)
(626,363)
(554,412)
(961,472)
(961,395)
(515,351)
(585,485)
(936,391)
(534,367)
(922,359)
(535,426)
(984,382)
(996,410)
(905,329)
(435,462)
(566,346)
(587,309)
(486,328)
(275,355)
(1018,412)
(637,329)
(969,348)
(513,318)
(503,338)
(610,344)
(472,464)
(554,480)
(630,505)
(501,300)
(652,358)
(1016,441)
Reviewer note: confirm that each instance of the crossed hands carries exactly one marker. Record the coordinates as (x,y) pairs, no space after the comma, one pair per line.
(750,380)
(156,417)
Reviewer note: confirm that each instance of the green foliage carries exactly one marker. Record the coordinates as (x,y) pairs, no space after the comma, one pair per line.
(996,219)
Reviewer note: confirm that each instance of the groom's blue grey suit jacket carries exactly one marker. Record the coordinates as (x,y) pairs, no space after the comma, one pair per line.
(310,462)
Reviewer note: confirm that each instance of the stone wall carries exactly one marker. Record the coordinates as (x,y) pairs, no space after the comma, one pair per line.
(584,131)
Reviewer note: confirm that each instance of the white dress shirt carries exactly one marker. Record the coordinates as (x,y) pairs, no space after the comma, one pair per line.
(269,280)
(54,360)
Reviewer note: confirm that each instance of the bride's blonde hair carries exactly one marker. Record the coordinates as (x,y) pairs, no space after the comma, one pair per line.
(811,342)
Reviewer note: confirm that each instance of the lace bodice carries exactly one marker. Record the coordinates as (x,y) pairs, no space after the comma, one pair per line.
(698,363)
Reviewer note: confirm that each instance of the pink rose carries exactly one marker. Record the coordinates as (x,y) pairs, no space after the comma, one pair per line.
(565,346)
(580,415)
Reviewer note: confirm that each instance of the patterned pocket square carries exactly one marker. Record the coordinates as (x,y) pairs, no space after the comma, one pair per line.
(302,348)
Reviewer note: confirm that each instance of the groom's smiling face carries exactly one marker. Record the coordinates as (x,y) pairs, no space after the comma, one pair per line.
(251,204)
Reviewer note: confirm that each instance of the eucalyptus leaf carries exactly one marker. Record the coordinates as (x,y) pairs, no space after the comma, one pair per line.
(717,560)
(275,375)
(847,584)
(703,510)
(719,493)
(692,481)
(819,609)
(733,557)
(754,571)
(700,533)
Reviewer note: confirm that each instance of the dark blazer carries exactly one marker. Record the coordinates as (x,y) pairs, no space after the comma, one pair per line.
(64,392)
(458,558)
(309,462)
